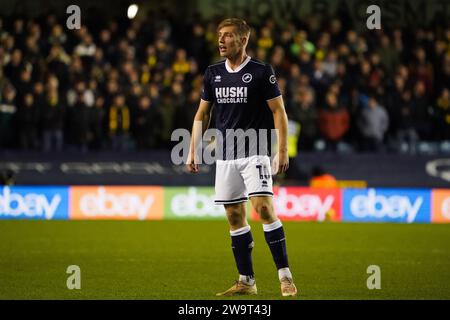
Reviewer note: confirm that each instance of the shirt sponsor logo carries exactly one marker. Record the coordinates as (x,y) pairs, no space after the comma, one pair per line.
(231,94)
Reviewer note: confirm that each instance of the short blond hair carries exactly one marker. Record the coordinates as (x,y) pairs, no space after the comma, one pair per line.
(242,28)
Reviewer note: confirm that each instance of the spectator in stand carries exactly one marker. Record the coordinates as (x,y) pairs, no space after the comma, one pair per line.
(422,70)
(32,55)
(443,72)
(57,36)
(320,80)
(394,100)
(189,109)
(422,111)
(97,120)
(198,46)
(279,62)
(15,65)
(105,42)
(294,79)
(330,65)
(147,125)
(52,119)
(27,123)
(135,92)
(389,55)
(39,97)
(19,33)
(443,115)
(333,121)
(167,110)
(86,51)
(119,124)
(373,124)
(303,110)
(181,64)
(8,110)
(79,123)
(24,85)
(406,131)
(57,64)
(265,40)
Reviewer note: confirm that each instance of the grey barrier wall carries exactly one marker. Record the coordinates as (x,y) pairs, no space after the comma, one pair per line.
(156,168)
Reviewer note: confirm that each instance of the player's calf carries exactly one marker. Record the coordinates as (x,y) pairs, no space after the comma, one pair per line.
(276,240)
(242,246)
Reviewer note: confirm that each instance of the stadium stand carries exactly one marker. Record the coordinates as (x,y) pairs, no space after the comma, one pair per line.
(126,86)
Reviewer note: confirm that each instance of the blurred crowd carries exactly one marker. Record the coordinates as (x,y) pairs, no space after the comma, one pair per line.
(127,85)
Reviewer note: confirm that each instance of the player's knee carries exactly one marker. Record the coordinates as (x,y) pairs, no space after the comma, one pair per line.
(235,216)
(264,210)
(235,220)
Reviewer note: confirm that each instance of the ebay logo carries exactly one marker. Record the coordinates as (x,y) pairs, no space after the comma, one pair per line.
(116,202)
(306,204)
(33,202)
(389,205)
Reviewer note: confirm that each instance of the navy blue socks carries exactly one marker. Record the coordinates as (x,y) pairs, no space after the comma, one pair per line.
(242,245)
(276,240)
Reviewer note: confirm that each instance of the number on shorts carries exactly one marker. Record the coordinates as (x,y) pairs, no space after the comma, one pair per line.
(263,172)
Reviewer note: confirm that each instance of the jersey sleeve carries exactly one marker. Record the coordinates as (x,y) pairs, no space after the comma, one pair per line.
(207,91)
(270,84)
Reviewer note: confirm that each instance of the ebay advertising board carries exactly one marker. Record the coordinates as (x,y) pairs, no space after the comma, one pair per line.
(155,203)
(38,203)
(387,205)
(306,204)
(191,203)
(116,203)
(440,212)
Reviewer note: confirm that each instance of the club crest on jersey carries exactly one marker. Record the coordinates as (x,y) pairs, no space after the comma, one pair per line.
(247,77)
(218,79)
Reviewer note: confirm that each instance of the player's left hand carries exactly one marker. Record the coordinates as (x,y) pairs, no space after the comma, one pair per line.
(281,162)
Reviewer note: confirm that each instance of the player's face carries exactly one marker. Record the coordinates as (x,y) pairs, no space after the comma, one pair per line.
(230,43)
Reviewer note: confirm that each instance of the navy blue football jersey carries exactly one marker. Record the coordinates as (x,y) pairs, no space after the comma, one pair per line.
(240,101)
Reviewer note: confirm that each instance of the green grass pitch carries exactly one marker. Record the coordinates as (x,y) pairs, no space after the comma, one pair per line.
(193,260)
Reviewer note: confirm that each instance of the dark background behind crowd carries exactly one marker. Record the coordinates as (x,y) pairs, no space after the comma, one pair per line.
(127,84)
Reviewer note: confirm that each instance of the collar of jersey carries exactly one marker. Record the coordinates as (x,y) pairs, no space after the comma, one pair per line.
(243,64)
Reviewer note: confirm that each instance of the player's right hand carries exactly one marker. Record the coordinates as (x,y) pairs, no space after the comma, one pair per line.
(192,167)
